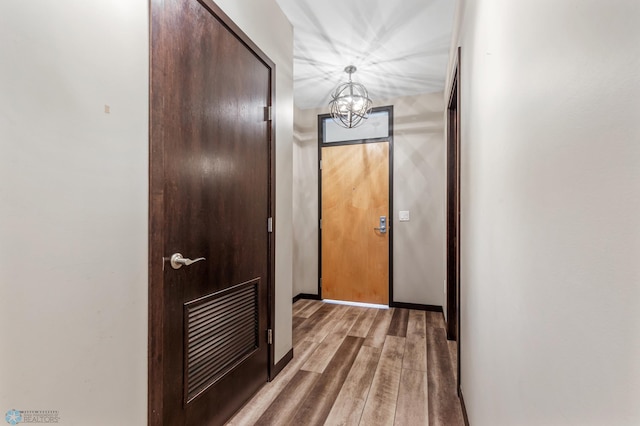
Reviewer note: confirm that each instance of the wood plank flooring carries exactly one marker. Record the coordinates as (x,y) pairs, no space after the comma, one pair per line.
(361,366)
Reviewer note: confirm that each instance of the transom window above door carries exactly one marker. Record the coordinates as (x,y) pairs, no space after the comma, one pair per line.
(377,126)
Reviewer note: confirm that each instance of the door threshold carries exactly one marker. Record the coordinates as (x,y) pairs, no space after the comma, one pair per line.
(362,305)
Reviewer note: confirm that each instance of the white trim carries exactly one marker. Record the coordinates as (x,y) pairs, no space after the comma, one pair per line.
(363,305)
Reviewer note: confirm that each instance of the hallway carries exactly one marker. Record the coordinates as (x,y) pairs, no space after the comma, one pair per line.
(367,366)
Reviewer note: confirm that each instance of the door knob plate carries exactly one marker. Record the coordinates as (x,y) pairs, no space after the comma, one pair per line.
(383,225)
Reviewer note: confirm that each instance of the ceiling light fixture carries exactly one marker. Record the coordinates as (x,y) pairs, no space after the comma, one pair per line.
(350,104)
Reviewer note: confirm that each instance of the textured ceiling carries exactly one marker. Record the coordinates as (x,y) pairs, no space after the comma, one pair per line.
(400,47)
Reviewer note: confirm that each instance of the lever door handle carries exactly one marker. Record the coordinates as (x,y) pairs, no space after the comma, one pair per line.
(383,225)
(177,261)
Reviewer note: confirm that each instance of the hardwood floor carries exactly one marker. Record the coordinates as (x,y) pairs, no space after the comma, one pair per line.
(361,366)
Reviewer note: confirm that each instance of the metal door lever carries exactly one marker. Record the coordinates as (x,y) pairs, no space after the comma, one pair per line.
(383,225)
(177,261)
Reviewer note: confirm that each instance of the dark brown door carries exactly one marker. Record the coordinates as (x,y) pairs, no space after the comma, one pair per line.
(453,212)
(211,197)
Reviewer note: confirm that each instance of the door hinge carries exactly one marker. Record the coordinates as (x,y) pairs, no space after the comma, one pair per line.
(320,223)
(320,164)
(270,224)
(270,336)
(267,113)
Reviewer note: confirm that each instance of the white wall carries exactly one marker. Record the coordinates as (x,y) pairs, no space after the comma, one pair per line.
(73,209)
(305,202)
(419,178)
(73,206)
(419,182)
(550,207)
(267,26)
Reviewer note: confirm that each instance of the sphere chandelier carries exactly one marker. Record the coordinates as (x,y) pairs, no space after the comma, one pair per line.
(350,104)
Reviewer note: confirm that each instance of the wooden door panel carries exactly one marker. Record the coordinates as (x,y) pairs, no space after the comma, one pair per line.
(355,193)
(209,93)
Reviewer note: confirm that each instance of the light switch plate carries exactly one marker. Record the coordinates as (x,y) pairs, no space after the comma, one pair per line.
(404,216)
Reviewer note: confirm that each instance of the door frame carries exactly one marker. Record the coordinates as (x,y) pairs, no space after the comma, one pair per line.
(453,209)
(389,139)
(156,366)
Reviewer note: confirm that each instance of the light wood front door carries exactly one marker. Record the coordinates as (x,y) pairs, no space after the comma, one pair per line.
(355,194)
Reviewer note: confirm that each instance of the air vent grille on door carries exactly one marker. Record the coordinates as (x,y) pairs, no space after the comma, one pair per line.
(221,330)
